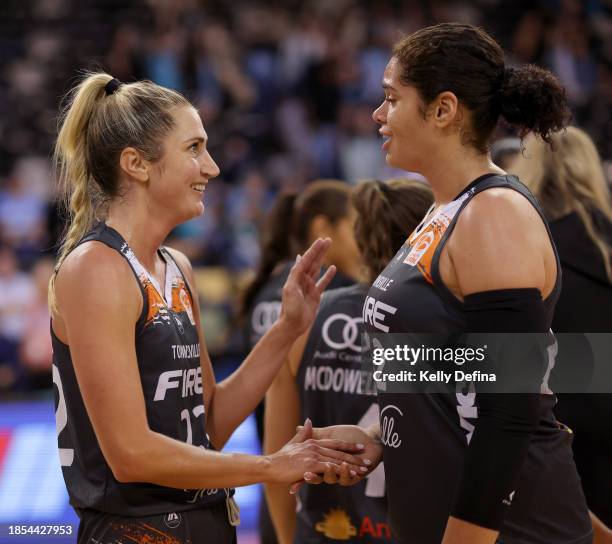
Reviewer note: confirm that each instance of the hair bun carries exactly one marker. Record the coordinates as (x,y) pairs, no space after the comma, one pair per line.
(532,98)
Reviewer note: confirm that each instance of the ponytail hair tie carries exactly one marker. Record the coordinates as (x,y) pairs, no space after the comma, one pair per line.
(506,75)
(112,86)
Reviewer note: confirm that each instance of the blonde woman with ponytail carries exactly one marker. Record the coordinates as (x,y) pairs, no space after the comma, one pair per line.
(570,184)
(139,414)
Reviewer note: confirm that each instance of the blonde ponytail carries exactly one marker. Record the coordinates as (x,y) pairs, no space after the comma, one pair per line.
(95,128)
(569,178)
(70,165)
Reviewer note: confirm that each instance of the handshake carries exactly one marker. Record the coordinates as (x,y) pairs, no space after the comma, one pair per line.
(340,454)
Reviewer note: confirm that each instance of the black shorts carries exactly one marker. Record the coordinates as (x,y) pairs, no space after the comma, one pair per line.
(203,526)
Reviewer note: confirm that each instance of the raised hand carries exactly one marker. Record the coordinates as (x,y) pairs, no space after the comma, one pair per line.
(304,454)
(302,292)
(344,474)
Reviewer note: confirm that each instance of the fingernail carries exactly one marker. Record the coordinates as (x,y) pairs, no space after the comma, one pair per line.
(363,469)
(307,476)
(360,446)
(292,492)
(307,421)
(353,473)
(367,462)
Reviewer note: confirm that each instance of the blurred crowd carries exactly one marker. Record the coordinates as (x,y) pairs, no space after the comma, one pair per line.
(285,88)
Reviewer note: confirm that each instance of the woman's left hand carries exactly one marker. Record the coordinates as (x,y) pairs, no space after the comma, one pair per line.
(302,292)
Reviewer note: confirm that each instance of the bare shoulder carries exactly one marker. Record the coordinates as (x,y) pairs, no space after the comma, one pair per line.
(499,242)
(97,275)
(498,208)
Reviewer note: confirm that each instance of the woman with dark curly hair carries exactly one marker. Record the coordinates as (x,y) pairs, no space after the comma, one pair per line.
(468,467)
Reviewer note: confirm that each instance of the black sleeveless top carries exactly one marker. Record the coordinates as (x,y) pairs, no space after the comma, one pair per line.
(168,356)
(334,390)
(425,437)
(266,306)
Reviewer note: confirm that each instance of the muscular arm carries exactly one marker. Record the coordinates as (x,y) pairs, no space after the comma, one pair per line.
(500,242)
(281,418)
(497,228)
(99,322)
(601,533)
(99,303)
(228,403)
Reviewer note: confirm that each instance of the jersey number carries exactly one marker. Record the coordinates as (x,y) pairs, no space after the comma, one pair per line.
(66,455)
(375,481)
(185,416)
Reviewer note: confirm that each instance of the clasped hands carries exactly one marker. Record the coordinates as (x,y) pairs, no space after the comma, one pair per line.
(369,452)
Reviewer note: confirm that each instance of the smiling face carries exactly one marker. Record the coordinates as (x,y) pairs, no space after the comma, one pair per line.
(179,178)
(408,134)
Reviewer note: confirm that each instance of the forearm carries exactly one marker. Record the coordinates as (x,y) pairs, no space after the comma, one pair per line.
(167,462)
(281,419)
(282,511)
(496,453)
(238,395)
(462,532)
(601,533)
(506,422)
(282,413)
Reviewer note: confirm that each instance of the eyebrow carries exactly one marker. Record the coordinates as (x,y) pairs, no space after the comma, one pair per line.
(386,86)
(199,139)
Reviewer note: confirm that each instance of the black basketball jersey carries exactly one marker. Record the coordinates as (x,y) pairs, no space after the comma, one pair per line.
(335,390)
(168,355)
(266,306)
(425,437)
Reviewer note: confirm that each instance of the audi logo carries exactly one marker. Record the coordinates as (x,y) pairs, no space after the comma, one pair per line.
(350,332)
(265,315)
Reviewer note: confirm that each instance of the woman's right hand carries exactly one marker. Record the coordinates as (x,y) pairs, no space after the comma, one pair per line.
(345,476)
(304,454)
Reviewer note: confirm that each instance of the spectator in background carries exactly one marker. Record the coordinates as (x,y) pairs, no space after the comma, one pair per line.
(22,214)
(359,150)
(570,184)
(35,351)
(569,55)
(281,86)
(124,57)
(17,293)
(247,203)
(505,151)
(163,61)
(599,120)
